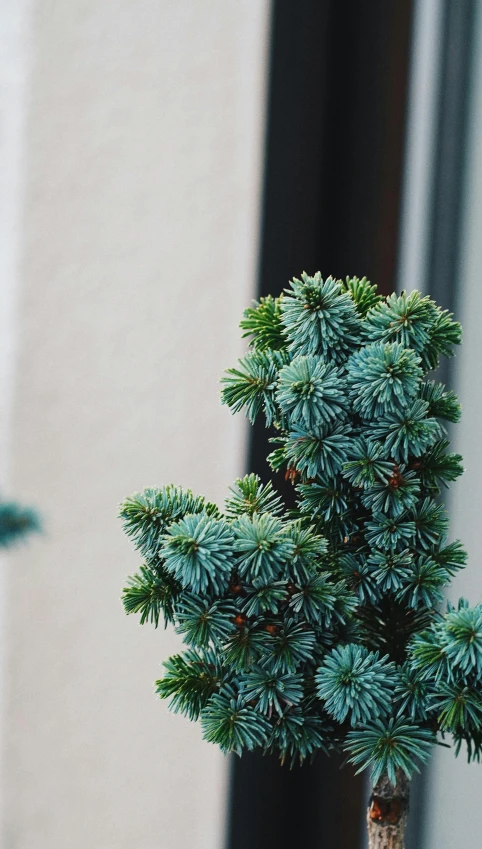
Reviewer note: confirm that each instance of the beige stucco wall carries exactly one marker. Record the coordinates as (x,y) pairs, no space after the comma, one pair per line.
(137,255)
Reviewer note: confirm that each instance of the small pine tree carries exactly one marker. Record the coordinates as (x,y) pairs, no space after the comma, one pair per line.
(322,628)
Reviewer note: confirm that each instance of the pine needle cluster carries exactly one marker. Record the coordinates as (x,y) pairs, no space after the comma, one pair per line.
(322,627)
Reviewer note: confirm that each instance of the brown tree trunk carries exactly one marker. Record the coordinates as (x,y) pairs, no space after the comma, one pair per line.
(388,812)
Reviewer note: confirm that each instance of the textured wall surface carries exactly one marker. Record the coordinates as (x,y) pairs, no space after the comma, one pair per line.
(138,252)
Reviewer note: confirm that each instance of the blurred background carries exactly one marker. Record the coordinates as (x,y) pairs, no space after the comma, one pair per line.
(163,162)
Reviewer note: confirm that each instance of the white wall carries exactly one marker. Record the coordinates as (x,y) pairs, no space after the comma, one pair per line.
(455,802)
(143,150)
(420,143)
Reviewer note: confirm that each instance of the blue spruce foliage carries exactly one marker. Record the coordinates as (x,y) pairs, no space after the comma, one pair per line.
(323,628)
(16,523)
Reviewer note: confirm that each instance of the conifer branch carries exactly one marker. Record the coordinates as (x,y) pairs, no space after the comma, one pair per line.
(323,627)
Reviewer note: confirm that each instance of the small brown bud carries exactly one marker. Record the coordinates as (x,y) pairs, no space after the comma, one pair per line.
(239,620)
(396,479)
(291,474)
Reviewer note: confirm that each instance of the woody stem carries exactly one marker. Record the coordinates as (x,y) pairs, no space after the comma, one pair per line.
(388,812)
